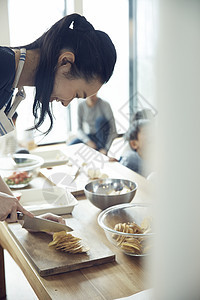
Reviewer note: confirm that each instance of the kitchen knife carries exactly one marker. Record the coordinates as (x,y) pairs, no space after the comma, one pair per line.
(39,224)
(76,174)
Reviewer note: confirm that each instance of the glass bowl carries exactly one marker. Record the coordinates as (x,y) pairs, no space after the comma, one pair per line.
(129,227)
(104,193)
(18,170)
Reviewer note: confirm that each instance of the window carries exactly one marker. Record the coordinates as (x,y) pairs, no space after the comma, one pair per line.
(28,21)
(112,17)
(146,42)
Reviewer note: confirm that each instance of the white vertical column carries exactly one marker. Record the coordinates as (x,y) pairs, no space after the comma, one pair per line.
(4,24)
(177,255)
(78,6)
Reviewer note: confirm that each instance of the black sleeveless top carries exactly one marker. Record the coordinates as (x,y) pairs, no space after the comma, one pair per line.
(7,75)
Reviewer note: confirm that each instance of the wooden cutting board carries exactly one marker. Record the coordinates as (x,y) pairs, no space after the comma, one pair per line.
(48,261)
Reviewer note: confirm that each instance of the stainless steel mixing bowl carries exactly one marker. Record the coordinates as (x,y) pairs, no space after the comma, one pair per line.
(104,193)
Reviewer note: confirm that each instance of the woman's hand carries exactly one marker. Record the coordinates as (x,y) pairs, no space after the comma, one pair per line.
(9,205)
(52,217)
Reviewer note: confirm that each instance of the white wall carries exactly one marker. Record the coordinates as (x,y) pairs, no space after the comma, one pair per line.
(4,32)
(177,262)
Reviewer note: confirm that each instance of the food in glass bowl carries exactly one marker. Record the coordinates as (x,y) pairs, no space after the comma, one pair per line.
(19,169)
(18,178)
(129,227)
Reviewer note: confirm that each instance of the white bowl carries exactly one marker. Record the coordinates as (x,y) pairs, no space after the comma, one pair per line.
(54,200)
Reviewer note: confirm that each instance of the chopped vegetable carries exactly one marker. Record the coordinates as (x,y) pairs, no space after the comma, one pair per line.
(18,178)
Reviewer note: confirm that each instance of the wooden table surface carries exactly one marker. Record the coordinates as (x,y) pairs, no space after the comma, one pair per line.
(124,277)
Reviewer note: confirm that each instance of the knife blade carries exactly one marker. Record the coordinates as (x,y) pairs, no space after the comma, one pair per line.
(76,174)
(39,224)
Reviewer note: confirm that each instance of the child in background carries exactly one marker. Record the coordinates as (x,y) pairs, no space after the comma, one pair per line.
(139,138)
(136,150)
(144,114)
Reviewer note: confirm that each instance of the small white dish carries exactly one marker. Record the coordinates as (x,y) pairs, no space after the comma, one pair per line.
(54,200)
(52,158)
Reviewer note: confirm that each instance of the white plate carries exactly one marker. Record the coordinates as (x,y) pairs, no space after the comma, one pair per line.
(55,200)
(52,158)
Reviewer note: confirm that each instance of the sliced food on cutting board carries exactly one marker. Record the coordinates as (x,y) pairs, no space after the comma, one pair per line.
(48,261)
(67,242)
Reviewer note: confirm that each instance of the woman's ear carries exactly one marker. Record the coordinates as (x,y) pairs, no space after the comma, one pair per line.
(134,144)
(66,57)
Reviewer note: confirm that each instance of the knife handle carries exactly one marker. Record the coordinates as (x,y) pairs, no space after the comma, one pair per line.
(20,215)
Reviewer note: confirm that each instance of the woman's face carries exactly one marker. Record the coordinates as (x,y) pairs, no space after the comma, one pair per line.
(65,90)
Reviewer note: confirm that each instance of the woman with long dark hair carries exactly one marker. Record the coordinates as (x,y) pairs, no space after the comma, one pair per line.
(70,60)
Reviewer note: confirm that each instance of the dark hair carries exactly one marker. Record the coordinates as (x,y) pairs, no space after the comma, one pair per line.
(145,114)
(139,119)
(95,58)
(132,133)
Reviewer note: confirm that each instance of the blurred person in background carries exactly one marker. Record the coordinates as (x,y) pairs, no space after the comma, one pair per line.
(96,124)
(143,114)
(139,137)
